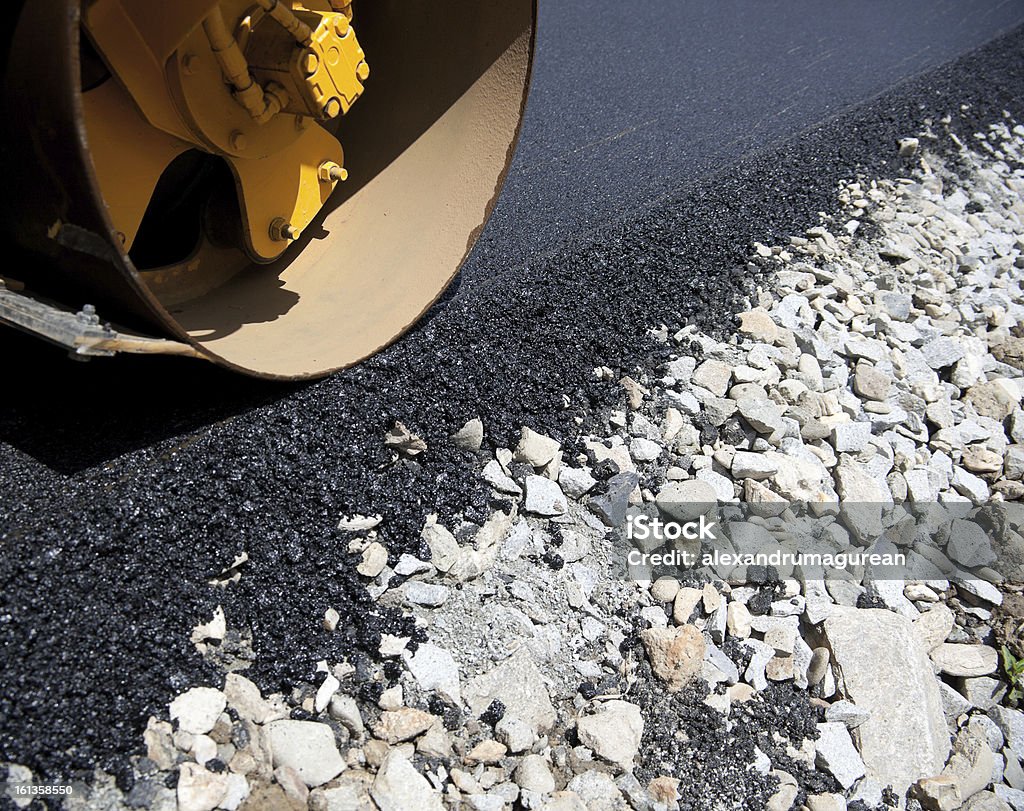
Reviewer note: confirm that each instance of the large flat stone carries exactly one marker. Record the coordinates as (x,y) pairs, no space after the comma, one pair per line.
(308,747)
(883,667)
(518,684)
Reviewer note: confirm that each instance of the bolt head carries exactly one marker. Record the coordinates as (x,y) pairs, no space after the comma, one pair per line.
(283,231)
(363,71)
(310,63)
(238,141)
(341,25)
(332,109)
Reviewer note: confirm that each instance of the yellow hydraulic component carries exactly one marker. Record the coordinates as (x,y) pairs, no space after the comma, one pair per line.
(288,188)
(325,77)
(247,81)
(128,176)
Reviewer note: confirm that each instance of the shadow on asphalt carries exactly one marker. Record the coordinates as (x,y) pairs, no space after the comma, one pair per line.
(70,415)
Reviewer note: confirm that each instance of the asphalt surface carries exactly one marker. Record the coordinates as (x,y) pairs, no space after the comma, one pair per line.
(127,485)
(630,101)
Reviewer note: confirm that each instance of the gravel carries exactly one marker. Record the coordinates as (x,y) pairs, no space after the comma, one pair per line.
(263,475)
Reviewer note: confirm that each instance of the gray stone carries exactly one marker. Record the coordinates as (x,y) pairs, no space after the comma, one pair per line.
(499,480)
(430,595)
(883,666)
(518,684)
(613,732)
(644,450)
(308,747)
(244,697)
(444,549)
(859,348)
(470,436)
(544,497)
(665,589)
(793,312)
(718,667)
(846,712)
(940,353)
(1011,724)
(722,485)
(870,383)
(611,505)
(955,659)
(851,437)
(953,704)
(935,625)
(756,466)
(344,708)
(714,376)
(982,692)
(687,500)
(967,484)
(533,774)
(820,659)
(989,730)
(435,669)
(197,710)
(1013,774)
(590,791)
(399,787)
(761,655)
(1011,796)
(826,802)
(835,752)
(969,545)
(517,735)
(535,449)
(985,801)
(968,771)
(763,416)
(576,482)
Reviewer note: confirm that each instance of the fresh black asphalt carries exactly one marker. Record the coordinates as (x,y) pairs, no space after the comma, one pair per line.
(127,485)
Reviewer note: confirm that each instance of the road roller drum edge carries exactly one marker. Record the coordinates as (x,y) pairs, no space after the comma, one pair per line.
(280,187)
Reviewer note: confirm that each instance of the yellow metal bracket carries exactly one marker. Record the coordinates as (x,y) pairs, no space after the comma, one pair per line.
(243,81)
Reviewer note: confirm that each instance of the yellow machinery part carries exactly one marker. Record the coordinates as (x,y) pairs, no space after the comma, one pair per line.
(187,78)
(267,186)
(197,197)
(127,176)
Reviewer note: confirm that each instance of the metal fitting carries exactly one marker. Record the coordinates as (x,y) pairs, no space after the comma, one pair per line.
(283,231)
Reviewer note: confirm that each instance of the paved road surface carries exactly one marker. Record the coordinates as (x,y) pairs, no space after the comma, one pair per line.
(633,99)
(125,486)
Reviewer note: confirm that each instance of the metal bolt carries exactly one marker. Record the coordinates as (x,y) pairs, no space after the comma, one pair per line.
(310,63)
(332,109)
(330,171)
(341,25)
(363,71)
(283,231)
(238,141)
(190,64)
